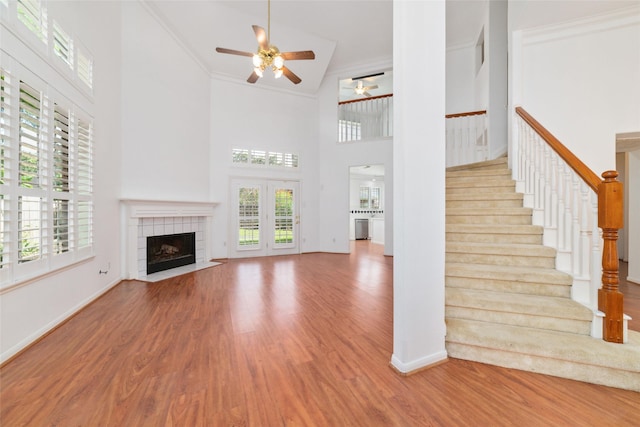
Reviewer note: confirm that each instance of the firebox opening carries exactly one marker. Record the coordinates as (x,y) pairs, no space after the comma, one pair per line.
(170,251)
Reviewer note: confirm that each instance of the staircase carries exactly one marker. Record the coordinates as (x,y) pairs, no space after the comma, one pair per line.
(506,304)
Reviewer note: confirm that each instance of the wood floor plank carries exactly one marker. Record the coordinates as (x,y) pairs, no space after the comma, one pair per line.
(300,340)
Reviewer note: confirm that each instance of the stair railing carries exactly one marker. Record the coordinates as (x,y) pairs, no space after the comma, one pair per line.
(571,202)
(466,138)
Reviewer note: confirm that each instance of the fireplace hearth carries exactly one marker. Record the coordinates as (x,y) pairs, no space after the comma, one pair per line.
(170,251)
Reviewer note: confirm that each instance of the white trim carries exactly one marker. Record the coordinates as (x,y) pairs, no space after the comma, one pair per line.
(417,364)
(592,24)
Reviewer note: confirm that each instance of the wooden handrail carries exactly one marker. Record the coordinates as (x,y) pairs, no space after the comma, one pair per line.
(575,163)
(469,113)
(610,220)
(365,99)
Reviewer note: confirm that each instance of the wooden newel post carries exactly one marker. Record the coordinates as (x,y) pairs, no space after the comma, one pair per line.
(610,220)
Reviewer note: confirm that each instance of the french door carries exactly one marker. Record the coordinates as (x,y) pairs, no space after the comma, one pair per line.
(264,218)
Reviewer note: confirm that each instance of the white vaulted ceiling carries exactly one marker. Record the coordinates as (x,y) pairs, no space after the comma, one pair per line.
(347,36)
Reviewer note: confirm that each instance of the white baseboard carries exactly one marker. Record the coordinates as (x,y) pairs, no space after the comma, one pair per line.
(418,364)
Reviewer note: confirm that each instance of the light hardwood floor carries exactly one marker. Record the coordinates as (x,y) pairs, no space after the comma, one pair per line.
(285,341)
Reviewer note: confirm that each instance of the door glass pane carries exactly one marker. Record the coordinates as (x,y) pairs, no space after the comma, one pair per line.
(283,232)
(248,216)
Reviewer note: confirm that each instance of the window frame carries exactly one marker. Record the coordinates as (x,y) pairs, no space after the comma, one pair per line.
(14,269)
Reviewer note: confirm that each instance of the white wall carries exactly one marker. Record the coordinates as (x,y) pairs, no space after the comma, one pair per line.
(252,117)
(165,113)
(32,309)
(334,162)
(580,81)
(460,80)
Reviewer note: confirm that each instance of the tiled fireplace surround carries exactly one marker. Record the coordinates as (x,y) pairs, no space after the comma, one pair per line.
(145,218)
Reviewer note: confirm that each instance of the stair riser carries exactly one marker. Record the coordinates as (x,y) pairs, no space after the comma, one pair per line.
(531,239)
(473,180)
(506,203)
(529,288)
(519,319)
(581,372)
(513,260)
(507,189)
(489,219)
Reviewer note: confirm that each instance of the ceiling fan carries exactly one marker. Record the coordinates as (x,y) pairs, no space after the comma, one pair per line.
(361,89)
(269,56)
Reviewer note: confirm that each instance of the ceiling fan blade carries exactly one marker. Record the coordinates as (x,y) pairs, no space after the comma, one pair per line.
(291,76)
(371,87)
(302,54)
(233,52)
(366,94)
(261,36)
(253,78)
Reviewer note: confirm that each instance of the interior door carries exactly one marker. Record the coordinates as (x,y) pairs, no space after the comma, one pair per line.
(264,218)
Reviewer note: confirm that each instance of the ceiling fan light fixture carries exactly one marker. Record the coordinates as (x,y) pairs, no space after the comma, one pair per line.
(278,62)
(268,56)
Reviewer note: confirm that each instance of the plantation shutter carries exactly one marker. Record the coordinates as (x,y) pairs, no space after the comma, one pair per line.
(29,147)
(34,16)
(62,45)
(61,149)
(84,179)
(6,144)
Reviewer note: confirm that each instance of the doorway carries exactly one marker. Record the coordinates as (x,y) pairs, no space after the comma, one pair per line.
(366,203)
(265,218)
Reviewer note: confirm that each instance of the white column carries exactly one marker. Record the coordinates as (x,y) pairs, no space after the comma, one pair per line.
(419,183)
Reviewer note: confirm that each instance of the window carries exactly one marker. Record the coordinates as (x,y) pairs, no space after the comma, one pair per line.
(264,158)
(85,67)
(34,16)
(45,178)
(249,217)
(364,197)
(375,198)
(349,130)
(62,45)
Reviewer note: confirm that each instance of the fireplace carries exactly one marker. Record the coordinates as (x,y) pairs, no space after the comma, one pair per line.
(149,218)
(170,251)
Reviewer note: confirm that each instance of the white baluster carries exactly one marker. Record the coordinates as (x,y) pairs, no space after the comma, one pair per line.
(596,254)
(575,224)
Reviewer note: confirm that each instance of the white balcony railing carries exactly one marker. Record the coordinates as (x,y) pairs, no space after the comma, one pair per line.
(466,138)
(367,118)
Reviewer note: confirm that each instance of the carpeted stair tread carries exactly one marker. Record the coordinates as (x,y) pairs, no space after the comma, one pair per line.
(507,249)
(559,313)
(536,305)
(500,162)
(518,211)
(489,197)
(513,273)
(561,354)
(472,178)
(480,183)
(502,229)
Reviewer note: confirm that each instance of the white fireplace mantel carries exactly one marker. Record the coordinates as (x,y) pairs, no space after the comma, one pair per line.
(134,210)
(138,208)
